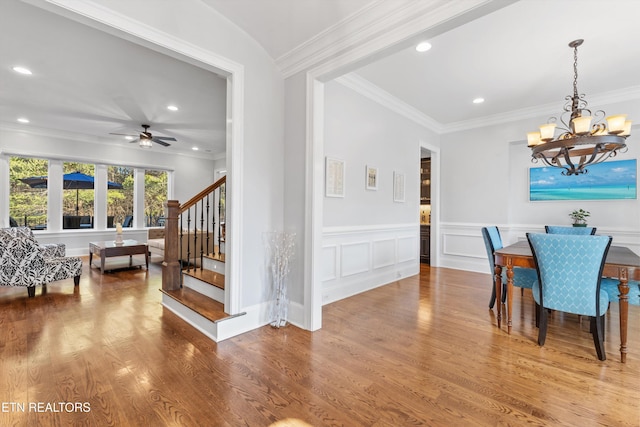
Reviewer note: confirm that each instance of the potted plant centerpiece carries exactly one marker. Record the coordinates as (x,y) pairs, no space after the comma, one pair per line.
(579,217)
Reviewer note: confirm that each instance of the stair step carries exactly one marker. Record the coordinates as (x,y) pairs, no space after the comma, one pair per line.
(207,276)
(216,256)
(204,306)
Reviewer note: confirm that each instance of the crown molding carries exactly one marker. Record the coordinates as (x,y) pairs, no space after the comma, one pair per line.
(375,93)
(376,26)
(365,88)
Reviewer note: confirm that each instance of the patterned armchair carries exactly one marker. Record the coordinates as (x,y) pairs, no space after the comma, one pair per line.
(23,263)
(570,274)
(522,277)
(49,250)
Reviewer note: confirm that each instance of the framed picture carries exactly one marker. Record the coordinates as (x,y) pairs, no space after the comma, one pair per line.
(371,178)
(398,187)
(616,179)
(334,177)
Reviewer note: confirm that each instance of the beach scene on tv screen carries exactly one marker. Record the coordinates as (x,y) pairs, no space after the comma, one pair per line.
(604,181)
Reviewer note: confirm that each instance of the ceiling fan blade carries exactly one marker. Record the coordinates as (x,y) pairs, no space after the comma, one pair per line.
(166,138)
(161,142)
(135,140)
(122,134)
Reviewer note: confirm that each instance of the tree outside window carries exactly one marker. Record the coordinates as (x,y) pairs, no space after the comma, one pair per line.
(27,206)
(155,196)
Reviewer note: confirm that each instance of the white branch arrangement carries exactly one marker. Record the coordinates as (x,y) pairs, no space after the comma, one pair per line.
(280,248)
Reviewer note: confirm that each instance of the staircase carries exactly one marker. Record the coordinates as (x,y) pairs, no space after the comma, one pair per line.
(193,281)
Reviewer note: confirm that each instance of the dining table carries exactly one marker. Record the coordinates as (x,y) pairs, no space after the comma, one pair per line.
(621,263)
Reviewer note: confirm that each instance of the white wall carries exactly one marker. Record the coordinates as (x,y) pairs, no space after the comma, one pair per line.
(294,184)
(485,181)
(368,238)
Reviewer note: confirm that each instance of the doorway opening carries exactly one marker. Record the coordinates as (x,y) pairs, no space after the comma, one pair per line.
(425,206)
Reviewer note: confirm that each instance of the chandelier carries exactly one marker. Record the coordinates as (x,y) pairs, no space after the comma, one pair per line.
(585,138)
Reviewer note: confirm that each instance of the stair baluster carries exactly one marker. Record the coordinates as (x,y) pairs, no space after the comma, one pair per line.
(175,233)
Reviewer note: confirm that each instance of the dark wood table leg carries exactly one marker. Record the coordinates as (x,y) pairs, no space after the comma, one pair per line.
(623,287)
(498,273)
(146,258)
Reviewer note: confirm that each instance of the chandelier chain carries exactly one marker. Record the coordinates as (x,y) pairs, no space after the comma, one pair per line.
(575,71)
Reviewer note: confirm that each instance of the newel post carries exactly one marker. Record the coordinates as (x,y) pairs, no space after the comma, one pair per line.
(171,265)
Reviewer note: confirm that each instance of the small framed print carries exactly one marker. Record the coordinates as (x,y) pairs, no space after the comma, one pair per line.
(371,178)
(398,187)
(334,177)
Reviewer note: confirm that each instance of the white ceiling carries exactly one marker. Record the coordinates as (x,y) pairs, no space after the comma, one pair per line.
(516,58)
(91,83)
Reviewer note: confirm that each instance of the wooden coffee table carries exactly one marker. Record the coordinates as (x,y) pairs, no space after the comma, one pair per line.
(109,249)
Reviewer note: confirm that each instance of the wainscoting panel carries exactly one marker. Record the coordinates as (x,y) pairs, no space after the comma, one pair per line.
(357,259)
(384,253)
(407,248)
(354,258)
(463,246)
(329,262)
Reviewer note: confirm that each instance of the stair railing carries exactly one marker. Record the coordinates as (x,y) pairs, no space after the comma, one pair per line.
(191,231)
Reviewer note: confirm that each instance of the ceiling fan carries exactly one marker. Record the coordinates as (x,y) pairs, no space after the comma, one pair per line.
(145,137)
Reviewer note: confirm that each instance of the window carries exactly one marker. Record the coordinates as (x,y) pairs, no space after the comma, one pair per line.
(78,195)
(32,191)
(155,196)
(28,203)
(119,201)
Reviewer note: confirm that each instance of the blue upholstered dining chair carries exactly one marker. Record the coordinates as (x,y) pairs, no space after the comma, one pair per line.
(569,279)
(611,288)
(578,231)
(522,277)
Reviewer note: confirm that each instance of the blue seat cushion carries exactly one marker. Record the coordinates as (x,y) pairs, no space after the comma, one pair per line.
(611,287)
(522,277)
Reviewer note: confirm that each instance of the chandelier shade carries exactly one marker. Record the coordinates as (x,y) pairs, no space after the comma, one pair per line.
(585,138)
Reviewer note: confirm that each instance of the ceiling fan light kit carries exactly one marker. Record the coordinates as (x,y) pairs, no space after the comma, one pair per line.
(585,138)
(146,139)
(145,142)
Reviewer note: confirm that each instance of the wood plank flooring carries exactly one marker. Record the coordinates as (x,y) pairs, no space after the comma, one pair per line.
(421,351)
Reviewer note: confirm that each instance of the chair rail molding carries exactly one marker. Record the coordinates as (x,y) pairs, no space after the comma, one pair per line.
(463,247)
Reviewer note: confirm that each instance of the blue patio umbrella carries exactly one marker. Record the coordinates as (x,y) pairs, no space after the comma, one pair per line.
(70,181)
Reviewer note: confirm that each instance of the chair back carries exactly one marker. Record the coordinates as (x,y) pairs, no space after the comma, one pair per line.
(569,272)
(576,231)
(492,242)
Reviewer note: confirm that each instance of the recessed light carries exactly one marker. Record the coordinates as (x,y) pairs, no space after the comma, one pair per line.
(172,108)
(194,148)
(129,138)
(423,47)
(478,100)
(22,70)
(23,120)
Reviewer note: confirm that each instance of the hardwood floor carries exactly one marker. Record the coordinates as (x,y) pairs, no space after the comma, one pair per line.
(420,351)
